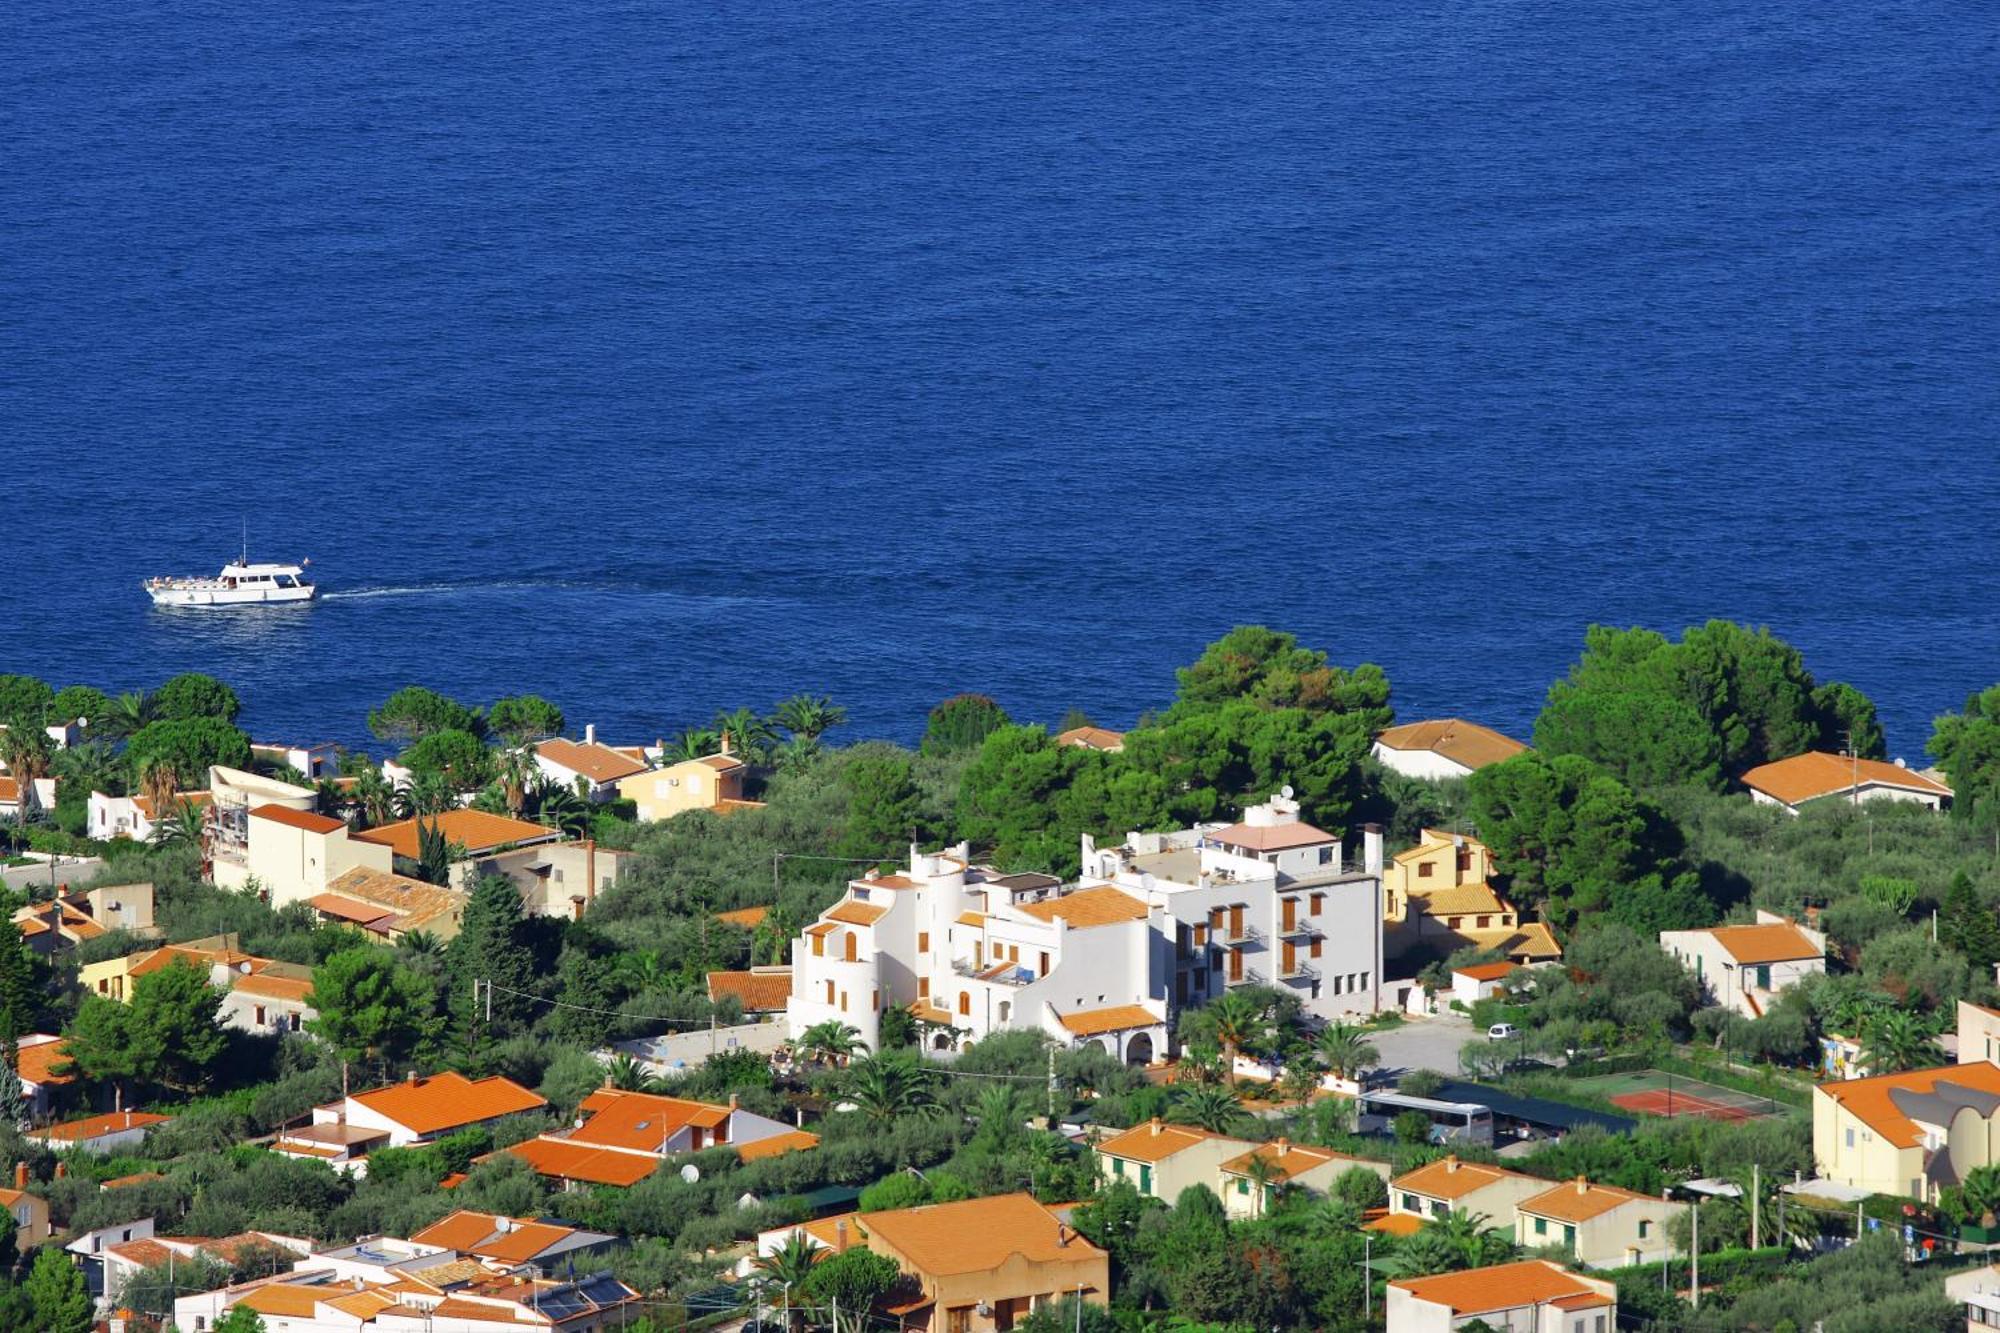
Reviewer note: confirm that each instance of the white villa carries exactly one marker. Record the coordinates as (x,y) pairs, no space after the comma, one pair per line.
(1745,967)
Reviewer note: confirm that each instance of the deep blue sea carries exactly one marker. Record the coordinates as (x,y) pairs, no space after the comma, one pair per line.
(662,358)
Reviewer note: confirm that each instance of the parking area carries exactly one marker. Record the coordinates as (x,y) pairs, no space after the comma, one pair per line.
(1423,1043)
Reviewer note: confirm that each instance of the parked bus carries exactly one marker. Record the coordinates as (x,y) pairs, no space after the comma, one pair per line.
(1451,1122)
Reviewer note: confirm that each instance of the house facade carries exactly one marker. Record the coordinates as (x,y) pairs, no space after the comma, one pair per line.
(1791,784)
(418,1109)
(1532,1296)
(1160,1160)
(1442,749)
(713,782)
(1978,1033)
(1599,1225)
(1746,967)
(591,769)
(1437,898)
(1448,1185)
(1911,1134)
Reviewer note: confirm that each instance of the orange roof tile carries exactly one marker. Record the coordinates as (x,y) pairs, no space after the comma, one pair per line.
(856,914)
(599,763)
(97,1126)
(1485,971)
(1578,1201)
(564,1160)
(414,903)
(1774,943)
(349,909)
(978,1235)
(1115,1018)
(474,830)
(640,1121)
(289,1300)
(136,1178)
(747,917)
(274,987)
(1458,900)
(972,918)
(1271,837)
(1286,1159)
(885,882)
(792,1140)
(1501,1287)
(1448,1178)
(143,1252)
(1102,906)
(1868,1098)
(721,763)
(1092,738)
(761,990)
(37,1063)
(448,1100)
(298,819)
(1156,1140)
(1396,1224)
(1462,742)
(1805,777)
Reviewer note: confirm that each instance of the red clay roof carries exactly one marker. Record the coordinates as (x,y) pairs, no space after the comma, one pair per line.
(1271,837)
(1464,743)
(37,1063)
(1868,1098)
(298,819)
(448,1101)
(474,830)
(760,990)
(565,1160)
(1817,773)
(1501,1287)
(599,763)
(97,1126)
(1101,906)
(1116,1018)
(979,1235)
(1485,971)
(641,1121)
(1774,943)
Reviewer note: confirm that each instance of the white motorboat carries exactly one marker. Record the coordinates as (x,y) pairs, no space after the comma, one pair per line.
(239,584)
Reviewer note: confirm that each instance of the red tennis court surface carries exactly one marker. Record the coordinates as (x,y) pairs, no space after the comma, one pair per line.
(1660,1101)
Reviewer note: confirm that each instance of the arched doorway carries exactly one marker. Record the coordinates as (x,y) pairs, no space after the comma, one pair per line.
(1139,1049)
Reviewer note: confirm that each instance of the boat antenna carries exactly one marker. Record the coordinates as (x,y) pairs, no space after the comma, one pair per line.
(246,542)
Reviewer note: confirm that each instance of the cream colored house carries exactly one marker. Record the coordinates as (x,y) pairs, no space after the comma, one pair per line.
(30,1212)
(1909,1134)
(559,879)
(259,994)
(1448,1185)
(1441,749)
(1532,1296)
(1978,1034)
(1744,968)
(1819,776)
(1600,1225)
(1160,1160)
(712,782)
(1436,896)
(292,854)
(1282,1164)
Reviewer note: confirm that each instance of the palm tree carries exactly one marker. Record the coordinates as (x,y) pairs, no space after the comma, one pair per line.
(1240,1023)
(1267,1180)
(91,766)
(1898,1040)
(159,782)
(182,822)
(421,944)
(774,934)
(128,713)
(1001,1115)
(889,1087)
(1346,1051)
(796,755)
(558,807)
(1447,1244)
(629,1075)
(27,753)
(787,1268)
(749,735)
(517,773)
(373,795)
(829,1042)
(694,743)
(642,970)
(809,716)
(1211,1106)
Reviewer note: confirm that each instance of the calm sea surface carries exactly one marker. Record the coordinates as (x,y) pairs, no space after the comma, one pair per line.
(667,357)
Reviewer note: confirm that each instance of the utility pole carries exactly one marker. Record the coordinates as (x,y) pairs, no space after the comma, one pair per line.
(1694,1257)
(1368,1276)
(1756,1200)
(1052,1087)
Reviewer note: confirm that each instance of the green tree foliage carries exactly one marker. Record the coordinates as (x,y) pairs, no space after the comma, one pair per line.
(884,806)
(459,757)
(57,1293)
(1570,839)
(1968,925)
(240,1319)
(167,1035)
(854,1279)
(522,718)
(370,1007)
(1722,700)
(435,853)
(414,712)
(890,1085)
(809,716)
(24,700)
(1967,746)
(80,701)
(1897,894)
(492,945)
(1897,1040)
(187,748)
(193,695)
(21,986)
(961,722)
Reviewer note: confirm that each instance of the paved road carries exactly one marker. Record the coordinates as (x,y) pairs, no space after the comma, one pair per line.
(1424,1043)
(69,870)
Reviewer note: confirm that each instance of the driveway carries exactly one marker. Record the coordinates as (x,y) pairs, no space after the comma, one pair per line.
(1423,1043)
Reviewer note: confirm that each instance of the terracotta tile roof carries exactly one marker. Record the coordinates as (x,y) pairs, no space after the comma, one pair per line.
(363,1305)
(1531,940)
(972,918)
(640,1121)
(1868,1099)
(10,791)
(1286,1159)
(37,1063)
(97,1126)
(415,903)
(1816,773)
(1116,1018)
(1156,1140)
(721,763)
(1459,900)
(474,830)
(856,914)
(1578,1201)
(1485,971)
(1092,738)
(1462,742)
(1431,841)
(193,800)
(792,1140)
(886,882)
(274,987)
(492,1235)
(599,763)
(144,1253)
(761,990)
(289,1300)
(1754,945)
(747,917)
(298,819)
(1448,1178)
(1085,908)
(448,1101)
(136,1178)
(350,909)
(1271,837)
(819,928)
(1501,1287)
(563,1160)
(978,1235)
(1396,1224)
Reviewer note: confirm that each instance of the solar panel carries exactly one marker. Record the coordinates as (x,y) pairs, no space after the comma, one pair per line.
(602,1288)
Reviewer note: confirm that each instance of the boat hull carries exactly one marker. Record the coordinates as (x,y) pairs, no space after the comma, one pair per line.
(228,597)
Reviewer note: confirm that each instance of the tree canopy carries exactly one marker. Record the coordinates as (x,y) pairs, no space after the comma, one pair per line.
(961,723)
(370,1007)
(166,1035)
(24,700)
(524,717)
(187,747)
(414,712)
(191,695)
(459,757)
(1966,745)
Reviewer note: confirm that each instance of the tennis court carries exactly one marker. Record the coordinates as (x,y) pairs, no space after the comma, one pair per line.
(1655,1092)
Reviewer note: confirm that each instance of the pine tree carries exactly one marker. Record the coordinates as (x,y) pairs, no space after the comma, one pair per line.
(13,1097)
(57,1293)
(491,946)
(1969,925)
(20,994)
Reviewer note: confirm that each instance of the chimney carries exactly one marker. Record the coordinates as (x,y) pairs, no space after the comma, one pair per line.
(411,1078)
(1283,1145)
(840,1236)
(733,1101)
(1154,1125)
(20,1175)
(1371,848)
(1582,1185)
(725,744)
(1451,1164)
(590,733)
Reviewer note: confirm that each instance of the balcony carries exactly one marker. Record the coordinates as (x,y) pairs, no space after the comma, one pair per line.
(1300,970)
(1251,977)
(1300,928)
(1249,934)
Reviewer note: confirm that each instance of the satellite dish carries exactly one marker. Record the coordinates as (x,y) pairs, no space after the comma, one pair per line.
(690,1173)
(1286,791)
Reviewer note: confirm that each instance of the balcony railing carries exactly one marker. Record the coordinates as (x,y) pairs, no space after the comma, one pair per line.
(1299,970)
(1251,977)
(1302,926)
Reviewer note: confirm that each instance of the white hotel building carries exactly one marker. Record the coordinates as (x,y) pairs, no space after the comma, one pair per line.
(1165,920)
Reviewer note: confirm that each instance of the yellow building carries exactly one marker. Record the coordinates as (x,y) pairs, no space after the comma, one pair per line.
(1978,1033)
(1600,1225)
(1911,1134)
(1436,896)
(1448,1186)
(983,1264)
(712,782)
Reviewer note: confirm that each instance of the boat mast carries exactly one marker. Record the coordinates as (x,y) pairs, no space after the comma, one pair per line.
(246,542)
